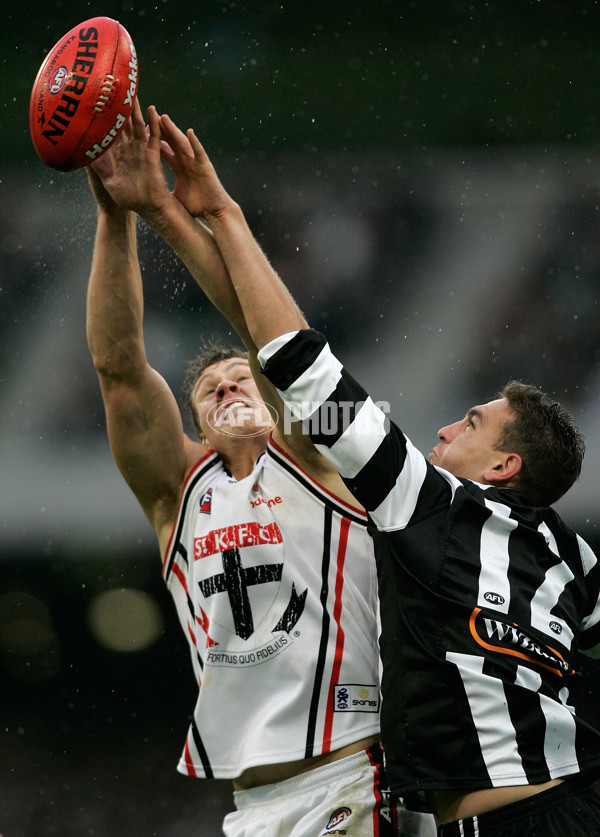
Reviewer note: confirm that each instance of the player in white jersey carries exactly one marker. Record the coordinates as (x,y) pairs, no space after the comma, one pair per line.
(265,551)
(264,608)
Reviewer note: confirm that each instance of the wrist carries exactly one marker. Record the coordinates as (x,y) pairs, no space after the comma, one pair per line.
(228,225)
(229,212)
(162,217)
(112,212)
(115,218)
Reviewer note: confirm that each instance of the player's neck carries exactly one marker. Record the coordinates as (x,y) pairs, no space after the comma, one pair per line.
(241,454)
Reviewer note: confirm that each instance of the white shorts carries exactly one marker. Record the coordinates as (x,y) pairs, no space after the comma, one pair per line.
(341,798)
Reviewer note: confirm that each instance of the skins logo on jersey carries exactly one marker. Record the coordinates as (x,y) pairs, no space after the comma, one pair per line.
(353,697)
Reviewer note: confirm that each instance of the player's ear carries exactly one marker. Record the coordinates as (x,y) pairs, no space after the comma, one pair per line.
(507,466)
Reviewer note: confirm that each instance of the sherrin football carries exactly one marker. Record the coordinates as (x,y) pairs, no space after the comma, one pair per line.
(83,94)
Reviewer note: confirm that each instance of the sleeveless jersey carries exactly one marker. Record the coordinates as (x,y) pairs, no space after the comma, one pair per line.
(486,599)
(275,587)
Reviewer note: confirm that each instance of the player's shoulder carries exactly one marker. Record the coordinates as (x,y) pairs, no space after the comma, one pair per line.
(194,452)
(308,459)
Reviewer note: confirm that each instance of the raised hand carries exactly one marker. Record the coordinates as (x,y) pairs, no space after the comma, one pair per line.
(197,185)
(103,199)
(131,171)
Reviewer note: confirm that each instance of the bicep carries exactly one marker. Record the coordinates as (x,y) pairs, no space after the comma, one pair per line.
(146,437)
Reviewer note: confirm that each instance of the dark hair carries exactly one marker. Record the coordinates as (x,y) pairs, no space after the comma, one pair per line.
(544,435)
(210,354)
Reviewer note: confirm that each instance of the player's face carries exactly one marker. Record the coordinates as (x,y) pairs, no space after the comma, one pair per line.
(229,404)
(466,448)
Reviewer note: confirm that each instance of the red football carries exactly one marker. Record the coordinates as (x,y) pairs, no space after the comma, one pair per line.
(83,94)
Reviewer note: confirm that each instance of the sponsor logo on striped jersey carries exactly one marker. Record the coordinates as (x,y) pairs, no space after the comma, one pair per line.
(504,637)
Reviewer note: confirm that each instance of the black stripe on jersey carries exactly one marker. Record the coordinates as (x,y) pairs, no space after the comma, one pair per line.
(378,476)
(177,546)
(177,549)
(297,355)
(590,585)
(568,548)
(181,550)
(322,655)
(469,516)
(322,495)
(326,425)
(590,638)
(520,706)
(201,751)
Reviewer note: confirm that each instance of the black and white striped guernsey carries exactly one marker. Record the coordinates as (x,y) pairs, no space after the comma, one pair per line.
(486,600)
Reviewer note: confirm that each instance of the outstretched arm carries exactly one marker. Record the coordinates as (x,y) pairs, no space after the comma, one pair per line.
(268,307)
(220,257)
(133,174)
(143,420)
(250,277)
(297,360)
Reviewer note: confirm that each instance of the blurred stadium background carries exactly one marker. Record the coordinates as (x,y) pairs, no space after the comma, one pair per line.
(426,178)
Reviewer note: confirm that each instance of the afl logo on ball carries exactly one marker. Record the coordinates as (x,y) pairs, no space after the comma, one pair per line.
(58,80)
(339,816)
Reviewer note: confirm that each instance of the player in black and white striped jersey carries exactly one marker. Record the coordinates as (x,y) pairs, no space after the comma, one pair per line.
(487,596)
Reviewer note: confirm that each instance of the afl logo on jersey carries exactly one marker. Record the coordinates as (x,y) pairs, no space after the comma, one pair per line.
(206,502)
(339,816)
(494,598)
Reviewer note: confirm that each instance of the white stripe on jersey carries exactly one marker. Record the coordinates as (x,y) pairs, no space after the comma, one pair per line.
(588,559)
(544,530)
(545,599)
(267,352)
(559,743)
(528,679)
(496,733)
(399,505)
(359,441)
(315,385)
(495,559)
